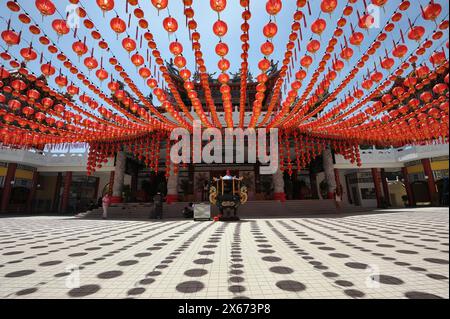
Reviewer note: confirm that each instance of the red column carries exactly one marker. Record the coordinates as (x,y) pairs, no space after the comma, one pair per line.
(426,163)
(7,187)
(66,192)
(409,191)
(32,193)
(377,182)
(111,183)
(385,184)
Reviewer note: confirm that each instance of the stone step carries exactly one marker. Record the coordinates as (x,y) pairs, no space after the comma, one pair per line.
(251,209)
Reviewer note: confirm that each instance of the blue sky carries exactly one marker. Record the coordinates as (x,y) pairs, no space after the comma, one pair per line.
(205,18)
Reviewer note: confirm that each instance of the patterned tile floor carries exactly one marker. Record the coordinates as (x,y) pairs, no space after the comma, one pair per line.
(397,254)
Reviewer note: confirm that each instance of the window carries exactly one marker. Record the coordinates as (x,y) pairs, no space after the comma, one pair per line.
(19,182)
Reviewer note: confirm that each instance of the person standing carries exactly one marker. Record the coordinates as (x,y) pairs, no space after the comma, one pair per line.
(106,201)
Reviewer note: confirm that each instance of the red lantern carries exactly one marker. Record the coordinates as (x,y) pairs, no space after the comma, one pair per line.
(60,26)
(180,61)
(400,51)
(80,48)
(45,7)
(47,69)
(222,49)
(129,44)
(224,65)
(28,54)
(220,28)
(160,4)
(347,53)
(367,84)
(137,59)
(318,26)
(267,48)
(328,6)
(91,63)
(33,95)
(14,105)
(170,24)
(437,58)
(73,90)
(176,48)
(338,65)
(426,97)
(10,37)
(356,38)
(416,33)
(379,3)
(113,86)
(431,11)
(105,5)
(39,116)
(440,89)
(313,46)
(27,111)
(18,85)
(273,7)
(144,72)
(61,81)
(102,74)
(13,6)
(306,61)
(47,102)
(218,5)
(152,83)
(422,71)
(118,25)
(366,21)
(387,63)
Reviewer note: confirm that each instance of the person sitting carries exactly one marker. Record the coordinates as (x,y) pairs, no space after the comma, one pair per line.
(188,211)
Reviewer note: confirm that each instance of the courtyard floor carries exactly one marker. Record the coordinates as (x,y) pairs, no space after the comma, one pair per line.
(394,254)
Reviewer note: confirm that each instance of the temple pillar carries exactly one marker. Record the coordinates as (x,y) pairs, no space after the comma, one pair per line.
(328,167)
(66,192)
(56,193)
(172,186)
(426,163)
(408,187)
(377,182)
(384,183)
(278,184)
(337,178)
(111,183)
(7,186)
(119,177)
(32,193)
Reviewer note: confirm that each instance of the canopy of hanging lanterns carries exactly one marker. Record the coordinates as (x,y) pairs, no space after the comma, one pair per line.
(352,72)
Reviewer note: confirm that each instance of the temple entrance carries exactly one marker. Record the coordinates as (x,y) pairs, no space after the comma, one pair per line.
(150,184)
(421,193)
